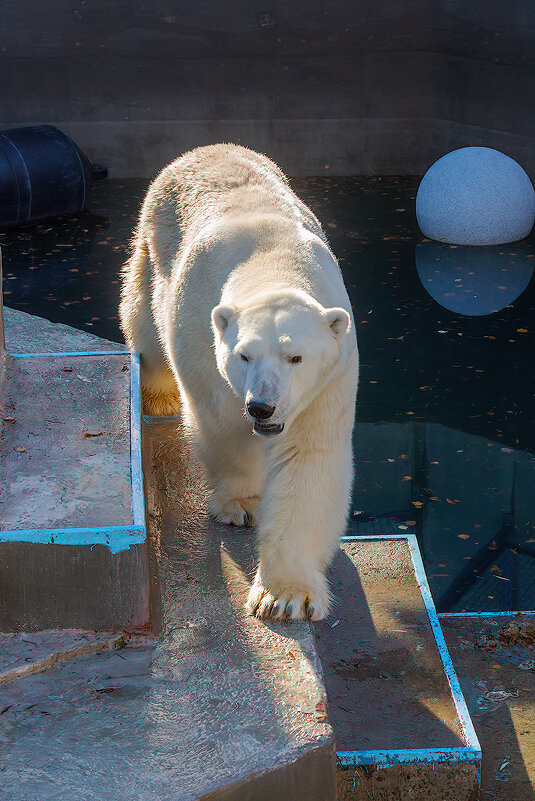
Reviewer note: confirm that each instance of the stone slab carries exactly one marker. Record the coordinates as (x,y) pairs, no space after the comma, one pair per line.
(221,707)
(54,477)
(65,452)
(27,333)
(385,679)
(386,685)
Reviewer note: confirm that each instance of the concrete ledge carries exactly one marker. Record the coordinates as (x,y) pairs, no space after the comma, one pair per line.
(27,333)
(73,551)
(399,717)
(222,707)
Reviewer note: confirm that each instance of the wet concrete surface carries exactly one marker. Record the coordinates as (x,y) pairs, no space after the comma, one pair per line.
(65,462)
(385,681)
(220,706)
(497,676)
(65,449)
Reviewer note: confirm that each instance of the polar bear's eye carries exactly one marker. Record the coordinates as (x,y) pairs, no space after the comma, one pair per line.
(243,357)
(295,359)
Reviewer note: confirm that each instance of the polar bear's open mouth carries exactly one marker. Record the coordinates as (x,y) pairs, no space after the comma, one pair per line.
(268,430)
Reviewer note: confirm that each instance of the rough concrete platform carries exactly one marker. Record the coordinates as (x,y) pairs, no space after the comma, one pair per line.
(385,680)
(65,465)
(222,707)
(65,449)
(26,333)
(495,662)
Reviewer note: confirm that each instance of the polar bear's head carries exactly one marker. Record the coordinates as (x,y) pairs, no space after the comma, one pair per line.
(277,353)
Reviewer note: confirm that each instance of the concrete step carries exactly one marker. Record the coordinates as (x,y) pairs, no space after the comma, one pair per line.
(222,706)
(73,550)
(399,718)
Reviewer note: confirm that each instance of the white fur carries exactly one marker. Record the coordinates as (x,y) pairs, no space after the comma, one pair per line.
(226,257)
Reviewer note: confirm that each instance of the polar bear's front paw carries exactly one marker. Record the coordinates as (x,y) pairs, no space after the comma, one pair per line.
(289,604)
(234,512)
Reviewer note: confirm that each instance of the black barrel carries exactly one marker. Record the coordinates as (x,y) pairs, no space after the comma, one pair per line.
(42,174)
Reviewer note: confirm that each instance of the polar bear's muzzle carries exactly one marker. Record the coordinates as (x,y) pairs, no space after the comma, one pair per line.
(260,413)
(267,429)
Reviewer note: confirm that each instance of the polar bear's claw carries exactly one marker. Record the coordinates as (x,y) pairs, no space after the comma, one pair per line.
(233,512)
(287,606)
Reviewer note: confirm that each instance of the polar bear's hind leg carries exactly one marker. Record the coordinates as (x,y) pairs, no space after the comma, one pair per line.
(159,391)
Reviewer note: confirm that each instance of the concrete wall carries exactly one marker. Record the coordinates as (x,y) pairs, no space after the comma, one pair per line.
(364,87)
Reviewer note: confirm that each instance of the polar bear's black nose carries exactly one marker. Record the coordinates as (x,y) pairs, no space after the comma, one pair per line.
(260,411)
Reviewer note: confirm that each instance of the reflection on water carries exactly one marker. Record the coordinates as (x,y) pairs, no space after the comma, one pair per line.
(474,280)
(445,440)
(467,499)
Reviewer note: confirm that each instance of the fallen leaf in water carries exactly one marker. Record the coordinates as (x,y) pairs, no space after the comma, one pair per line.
(464,536)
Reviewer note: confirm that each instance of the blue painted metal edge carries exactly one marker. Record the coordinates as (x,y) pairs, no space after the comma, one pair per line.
(136,470)
(72,353)
(116,538)
(386,758)
(503,613)
(406,756)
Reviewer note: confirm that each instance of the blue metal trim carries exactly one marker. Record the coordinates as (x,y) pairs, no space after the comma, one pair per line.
(136,470)
(472,753)
(72,353)
(357,537)
(503,613)
(406,756)
(116,538)
(456,692)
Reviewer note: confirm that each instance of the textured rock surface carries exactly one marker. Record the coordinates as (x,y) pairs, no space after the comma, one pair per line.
(475,196)
(26,333)
(222,705)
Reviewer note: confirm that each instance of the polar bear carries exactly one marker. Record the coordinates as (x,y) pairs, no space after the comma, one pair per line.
(235,302)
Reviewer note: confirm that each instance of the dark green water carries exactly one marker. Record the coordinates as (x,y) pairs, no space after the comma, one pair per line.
(445,438)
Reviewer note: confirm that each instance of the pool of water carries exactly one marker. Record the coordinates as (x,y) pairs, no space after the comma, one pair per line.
(445,434)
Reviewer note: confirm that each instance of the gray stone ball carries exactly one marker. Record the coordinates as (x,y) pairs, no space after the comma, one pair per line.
(475,196)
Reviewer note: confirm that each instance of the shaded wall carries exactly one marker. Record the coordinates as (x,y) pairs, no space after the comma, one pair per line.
(363,87)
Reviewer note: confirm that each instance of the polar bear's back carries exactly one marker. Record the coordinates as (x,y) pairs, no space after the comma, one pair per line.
(222,180)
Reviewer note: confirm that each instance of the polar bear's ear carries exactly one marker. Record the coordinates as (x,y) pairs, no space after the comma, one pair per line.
(221,317)
(338,320)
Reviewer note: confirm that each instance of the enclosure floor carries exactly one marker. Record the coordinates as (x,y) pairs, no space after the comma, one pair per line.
(385,681)
(65,447)
(220,703)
